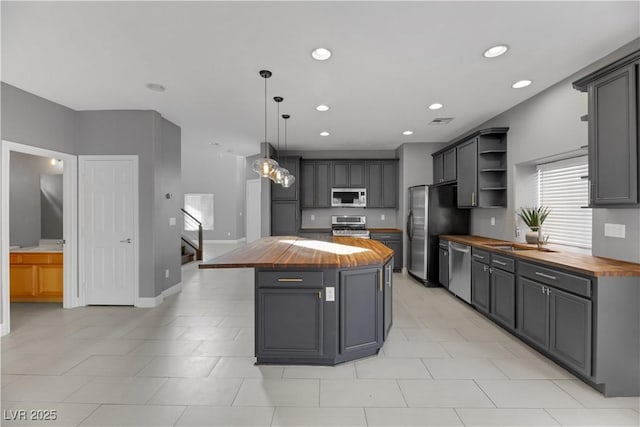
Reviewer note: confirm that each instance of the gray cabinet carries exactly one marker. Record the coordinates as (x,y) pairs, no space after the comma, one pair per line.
(382,183)
(480,286)
(557,321)
(468,174)
(503,297)
(438,168)
(315,185)
(443,264)
(388,297)
(348,174)
(570,329)
(278,192)
(291,322)
(361,310)
(394,242)
(533,312)
(613,132)
(285,218)
(450,166)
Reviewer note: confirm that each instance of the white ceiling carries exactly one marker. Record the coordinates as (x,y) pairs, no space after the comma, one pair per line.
(390,61)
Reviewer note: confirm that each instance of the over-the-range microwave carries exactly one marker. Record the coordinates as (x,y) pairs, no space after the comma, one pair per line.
(348,197)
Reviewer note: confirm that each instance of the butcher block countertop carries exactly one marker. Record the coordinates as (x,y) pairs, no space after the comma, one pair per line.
(579,263)
(296,252)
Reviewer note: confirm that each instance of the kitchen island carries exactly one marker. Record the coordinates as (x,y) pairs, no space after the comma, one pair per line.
(317,302)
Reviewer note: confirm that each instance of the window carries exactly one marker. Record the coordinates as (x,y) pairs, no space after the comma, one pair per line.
(201,207)
(563,190)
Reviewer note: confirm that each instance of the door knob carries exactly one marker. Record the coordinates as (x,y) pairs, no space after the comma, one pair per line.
(128,240)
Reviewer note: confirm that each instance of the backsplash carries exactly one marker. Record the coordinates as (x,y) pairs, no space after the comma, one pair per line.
(322,217)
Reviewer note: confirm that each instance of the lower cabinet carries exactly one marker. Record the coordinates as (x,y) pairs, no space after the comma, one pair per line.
(443,265)
(36,277)
(556,321)
(361,309)
(284,218)
(291,322)
(388,297)
(503,297)
(393,241)
(480,286)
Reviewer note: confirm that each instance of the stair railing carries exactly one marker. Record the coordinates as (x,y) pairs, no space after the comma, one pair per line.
(192,233)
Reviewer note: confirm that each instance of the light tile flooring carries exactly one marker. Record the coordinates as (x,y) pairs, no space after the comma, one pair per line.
(189,363)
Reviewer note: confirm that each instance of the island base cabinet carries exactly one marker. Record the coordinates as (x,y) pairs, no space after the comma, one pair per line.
(388,297)
(570,330)
(290,322)
(361,311)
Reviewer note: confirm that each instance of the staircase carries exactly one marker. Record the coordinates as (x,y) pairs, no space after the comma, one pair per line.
(187,254)
(191,238)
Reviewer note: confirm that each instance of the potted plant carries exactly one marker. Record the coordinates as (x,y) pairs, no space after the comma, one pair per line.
(533,218)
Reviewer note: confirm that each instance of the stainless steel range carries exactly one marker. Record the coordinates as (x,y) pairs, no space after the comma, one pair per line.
(349,226)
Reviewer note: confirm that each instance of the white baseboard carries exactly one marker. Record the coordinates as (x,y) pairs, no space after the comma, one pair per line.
(4,329)
(151,302)
(231,242)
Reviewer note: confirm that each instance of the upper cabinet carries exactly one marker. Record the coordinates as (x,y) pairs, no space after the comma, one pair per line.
(478,164)
(315,184)
(348,174)
(382,183)
(613,132)
(278,192)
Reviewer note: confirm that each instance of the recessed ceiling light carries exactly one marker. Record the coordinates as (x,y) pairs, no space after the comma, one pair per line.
(324,133)
(435,106)
(495,51)
(156,87)
(407,132)
(520,84)
(322,107)
(321,54)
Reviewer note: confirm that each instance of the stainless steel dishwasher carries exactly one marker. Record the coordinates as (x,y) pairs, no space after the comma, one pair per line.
(460,270)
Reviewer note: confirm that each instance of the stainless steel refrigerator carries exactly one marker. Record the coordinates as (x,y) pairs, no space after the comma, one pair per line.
(433,211)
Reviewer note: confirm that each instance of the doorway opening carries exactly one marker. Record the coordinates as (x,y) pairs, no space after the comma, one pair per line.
(38,243)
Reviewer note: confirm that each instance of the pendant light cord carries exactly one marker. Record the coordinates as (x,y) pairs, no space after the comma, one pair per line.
(278,124)
(265,119)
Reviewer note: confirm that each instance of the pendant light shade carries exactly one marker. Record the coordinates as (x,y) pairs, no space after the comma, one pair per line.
(288,180)
(265,166)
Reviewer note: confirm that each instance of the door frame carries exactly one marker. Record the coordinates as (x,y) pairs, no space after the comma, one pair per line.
(69,220)
(82,161)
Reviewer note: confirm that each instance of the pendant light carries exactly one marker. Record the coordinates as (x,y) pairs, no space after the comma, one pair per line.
(265,165)
(278,172)
(288,179)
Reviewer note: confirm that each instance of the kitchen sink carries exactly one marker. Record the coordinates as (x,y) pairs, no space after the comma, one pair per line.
(513,247)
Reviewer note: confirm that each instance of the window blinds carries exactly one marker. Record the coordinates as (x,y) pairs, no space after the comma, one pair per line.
(563,190)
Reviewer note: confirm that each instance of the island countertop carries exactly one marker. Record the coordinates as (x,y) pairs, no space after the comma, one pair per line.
(580,263)
(296,252)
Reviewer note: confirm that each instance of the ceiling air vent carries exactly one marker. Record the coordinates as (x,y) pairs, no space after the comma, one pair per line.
(441,121)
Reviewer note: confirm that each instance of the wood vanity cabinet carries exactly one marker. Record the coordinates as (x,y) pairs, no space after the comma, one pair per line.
(613,132)
(36,276)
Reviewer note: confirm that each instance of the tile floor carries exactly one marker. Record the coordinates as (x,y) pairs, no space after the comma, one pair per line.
(189,363)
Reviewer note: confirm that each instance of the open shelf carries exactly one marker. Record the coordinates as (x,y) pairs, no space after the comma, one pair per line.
(493,170)
(493,188)
(493,152)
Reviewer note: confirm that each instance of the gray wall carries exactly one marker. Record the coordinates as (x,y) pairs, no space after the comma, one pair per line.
(25,213)
(223,175)
(51,206)
(416,168)
(32,120)
(35,121)
(545,125)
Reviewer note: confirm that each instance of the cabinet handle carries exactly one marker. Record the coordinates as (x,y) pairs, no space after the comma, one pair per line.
(289,279)
(380,281)
(478,256)
(548,291)
(484,268)
(499,262)
(543,288)
(490,270)
(320,295)
(473,198)
(548,276)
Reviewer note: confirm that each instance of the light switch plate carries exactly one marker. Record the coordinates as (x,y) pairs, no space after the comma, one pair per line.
(382,217)
(172,221)
(330,293)
(493,220)
(313,217)
(166,273)
(615,230)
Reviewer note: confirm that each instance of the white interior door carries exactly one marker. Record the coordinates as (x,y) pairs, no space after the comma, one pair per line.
(109,229)
(253,210)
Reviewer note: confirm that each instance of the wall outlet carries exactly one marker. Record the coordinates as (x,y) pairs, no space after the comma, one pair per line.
(330,293)
(615,230)
(382,217)
(493,220)
(228,234)
(172,221)
(313,217)
(166,273)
